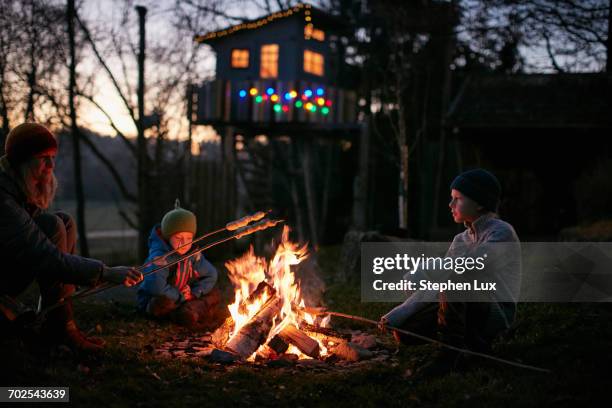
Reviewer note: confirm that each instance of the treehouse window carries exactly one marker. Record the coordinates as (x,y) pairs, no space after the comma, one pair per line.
(240,58)
(314,63)
(315,34)
(269,61)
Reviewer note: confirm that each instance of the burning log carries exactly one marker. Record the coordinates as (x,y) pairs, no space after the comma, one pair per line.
(222,334)
(278,344)
(248,339)
(325,331)
(326,339)
(262,289)
(301,340)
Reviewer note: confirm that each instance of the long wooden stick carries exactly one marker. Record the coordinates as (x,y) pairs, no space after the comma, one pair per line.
(239,233)
(438,342)
(230,226)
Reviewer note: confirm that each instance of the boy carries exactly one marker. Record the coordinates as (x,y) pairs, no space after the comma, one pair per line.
(185,292)
(475,197)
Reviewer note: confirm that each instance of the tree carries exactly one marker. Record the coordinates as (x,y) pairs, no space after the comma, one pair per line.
(558,36)
(76,145)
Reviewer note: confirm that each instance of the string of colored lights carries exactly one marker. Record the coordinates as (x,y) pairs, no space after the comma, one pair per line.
(310,100)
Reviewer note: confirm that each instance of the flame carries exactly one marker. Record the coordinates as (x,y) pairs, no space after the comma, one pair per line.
(249,270)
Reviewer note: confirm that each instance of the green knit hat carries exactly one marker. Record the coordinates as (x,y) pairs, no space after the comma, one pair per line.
(178,220)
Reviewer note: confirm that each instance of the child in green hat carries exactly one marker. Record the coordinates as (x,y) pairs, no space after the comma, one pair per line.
(185,292)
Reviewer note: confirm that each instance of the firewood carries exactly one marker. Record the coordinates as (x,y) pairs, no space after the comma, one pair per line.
(301,340)
(220,356)
(260,290)
(278,344)
(351,352)
(326,335)
(221,335)
(328,331)
(248,339)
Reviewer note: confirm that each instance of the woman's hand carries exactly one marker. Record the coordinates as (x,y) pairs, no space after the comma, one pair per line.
(126,275)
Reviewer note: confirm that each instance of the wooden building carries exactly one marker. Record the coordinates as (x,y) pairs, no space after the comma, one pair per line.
(277,80)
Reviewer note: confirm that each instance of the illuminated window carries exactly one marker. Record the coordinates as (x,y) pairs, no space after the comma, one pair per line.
(314,63)
(269,61)
(240,58)
(311,32)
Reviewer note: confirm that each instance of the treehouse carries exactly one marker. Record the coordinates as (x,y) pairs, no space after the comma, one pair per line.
(282,76)
(279,72)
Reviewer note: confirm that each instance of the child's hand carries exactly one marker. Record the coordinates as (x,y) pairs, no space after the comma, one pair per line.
(186,292)
(382,324)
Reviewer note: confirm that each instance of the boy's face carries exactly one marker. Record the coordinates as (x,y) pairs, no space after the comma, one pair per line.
(179,239)
(463,208)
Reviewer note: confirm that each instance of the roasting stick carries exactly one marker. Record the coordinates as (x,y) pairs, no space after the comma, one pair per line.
(427,339)
(239,233)
(230,226)
(250,229)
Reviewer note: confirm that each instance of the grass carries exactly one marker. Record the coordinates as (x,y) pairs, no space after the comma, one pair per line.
(571,339)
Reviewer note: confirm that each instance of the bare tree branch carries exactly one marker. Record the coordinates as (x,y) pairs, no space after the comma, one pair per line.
(127,104)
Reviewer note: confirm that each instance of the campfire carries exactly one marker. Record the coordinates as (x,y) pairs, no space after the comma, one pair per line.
(271,322)
(269,315)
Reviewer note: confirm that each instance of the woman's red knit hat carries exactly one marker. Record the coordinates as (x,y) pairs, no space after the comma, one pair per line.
(26,140)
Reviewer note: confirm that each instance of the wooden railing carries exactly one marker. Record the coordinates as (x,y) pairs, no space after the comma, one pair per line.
(264,101)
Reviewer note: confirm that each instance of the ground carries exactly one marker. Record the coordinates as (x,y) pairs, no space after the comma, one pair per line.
(573,340)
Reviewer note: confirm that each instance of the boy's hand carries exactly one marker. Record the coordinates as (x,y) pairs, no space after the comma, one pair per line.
(382,324)
(186,292)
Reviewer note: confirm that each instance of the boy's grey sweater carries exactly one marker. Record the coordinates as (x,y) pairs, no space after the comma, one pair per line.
(475,241)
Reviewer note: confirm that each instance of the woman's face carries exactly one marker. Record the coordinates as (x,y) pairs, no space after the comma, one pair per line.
(179,239)
(463,208)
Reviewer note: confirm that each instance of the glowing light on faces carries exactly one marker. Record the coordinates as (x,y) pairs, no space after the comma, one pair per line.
(179,239)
